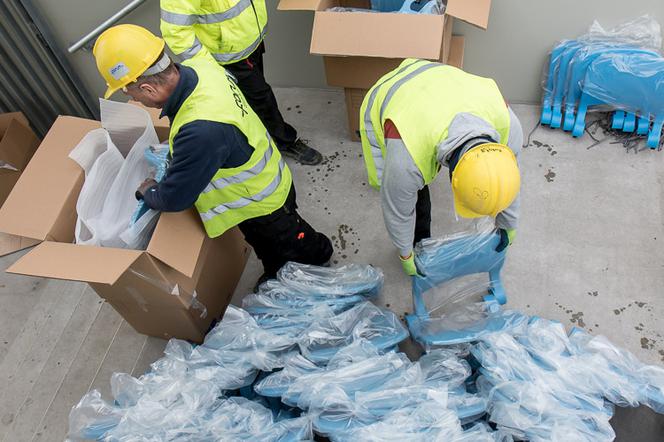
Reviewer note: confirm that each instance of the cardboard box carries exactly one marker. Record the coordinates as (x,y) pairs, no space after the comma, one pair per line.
(355,95)
(385,35)
(162,291)
(360,47)
(17,145)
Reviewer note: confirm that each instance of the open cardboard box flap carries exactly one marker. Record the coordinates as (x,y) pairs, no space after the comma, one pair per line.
(6,119)
(475,12)
(177,240)
(75,262)
(17,146)
(373,35)
(44,198)
(40,210)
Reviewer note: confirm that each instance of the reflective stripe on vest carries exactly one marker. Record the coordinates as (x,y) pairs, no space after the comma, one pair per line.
(236,56)
(217,17)
(242,202)
(376,152)
(229,30)
(245,174)
(193,49)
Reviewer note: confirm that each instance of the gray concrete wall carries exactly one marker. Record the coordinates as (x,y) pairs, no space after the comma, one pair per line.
(512,51)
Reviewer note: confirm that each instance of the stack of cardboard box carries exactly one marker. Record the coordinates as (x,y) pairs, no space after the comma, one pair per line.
(360,47)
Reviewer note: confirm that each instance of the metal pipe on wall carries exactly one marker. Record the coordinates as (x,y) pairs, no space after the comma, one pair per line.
(105,25)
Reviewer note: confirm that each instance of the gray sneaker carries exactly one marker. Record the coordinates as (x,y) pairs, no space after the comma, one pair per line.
(302,153)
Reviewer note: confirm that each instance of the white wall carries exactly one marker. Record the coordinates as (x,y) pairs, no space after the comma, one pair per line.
(512,51)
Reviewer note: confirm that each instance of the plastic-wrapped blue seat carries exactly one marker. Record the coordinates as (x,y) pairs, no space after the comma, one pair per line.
(324,338)
(634,82)
(579,64)
(560,81)
(443,261)
(552,79)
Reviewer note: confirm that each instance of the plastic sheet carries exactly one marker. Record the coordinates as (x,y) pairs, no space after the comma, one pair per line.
(542,384)
(452,257)
(314,390)
(183,392)
(325,337)
(107,200)
(616,70)
(643,31)
(436,7)
(386,5)
(305,296)
(316,281)
(426,422)
(464,319)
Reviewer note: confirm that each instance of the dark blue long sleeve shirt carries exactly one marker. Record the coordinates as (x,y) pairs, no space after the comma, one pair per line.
(200,149)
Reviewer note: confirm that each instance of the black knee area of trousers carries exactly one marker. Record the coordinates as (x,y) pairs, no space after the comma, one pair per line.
(284,236)
(422,215)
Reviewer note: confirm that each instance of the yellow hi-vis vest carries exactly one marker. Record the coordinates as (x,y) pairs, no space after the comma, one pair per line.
(256,188)
(422,98)
(230,30)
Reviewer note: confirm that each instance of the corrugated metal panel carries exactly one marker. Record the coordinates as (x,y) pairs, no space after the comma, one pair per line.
(33,78)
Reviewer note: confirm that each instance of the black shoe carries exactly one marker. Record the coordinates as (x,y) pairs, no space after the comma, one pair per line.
(302,153)
(264,277)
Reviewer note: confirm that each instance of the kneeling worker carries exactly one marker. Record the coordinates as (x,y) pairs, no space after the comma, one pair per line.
(424,115)
(223,159)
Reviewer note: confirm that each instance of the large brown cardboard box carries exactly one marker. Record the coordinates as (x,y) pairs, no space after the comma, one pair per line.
(175,288)
(360,47)
(17,145)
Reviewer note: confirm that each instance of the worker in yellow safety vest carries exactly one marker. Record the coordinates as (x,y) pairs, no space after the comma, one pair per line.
(425,115)
(223,160)
(232,32)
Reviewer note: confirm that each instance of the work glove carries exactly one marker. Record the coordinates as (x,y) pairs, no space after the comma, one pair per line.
(409,266)
(506,238)
(145,185)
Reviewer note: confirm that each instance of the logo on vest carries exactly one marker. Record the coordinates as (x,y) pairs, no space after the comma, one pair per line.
(237,96)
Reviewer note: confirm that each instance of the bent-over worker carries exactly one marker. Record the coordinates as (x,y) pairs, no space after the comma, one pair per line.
(423,116)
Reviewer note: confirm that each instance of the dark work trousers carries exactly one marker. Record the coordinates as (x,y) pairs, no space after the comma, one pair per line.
(422,215)
(250,79)
(284,236)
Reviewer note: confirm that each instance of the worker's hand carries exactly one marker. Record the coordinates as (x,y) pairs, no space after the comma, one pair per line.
(506,238)
(408,264)
(145,185)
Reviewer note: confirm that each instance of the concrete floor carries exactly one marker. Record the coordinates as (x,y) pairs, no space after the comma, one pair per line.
(586,254)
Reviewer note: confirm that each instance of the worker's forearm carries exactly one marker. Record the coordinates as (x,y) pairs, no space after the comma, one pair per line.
(401,181)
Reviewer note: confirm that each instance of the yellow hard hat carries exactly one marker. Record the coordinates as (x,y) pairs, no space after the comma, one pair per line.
(123,53)
(485,181)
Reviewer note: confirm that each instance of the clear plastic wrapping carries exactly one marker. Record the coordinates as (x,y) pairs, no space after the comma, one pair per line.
(615,70)
(325,337)
(643,31)
(114,166)
(304,295)
(543,384)
(316,281)
(450,258)
(183,392)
